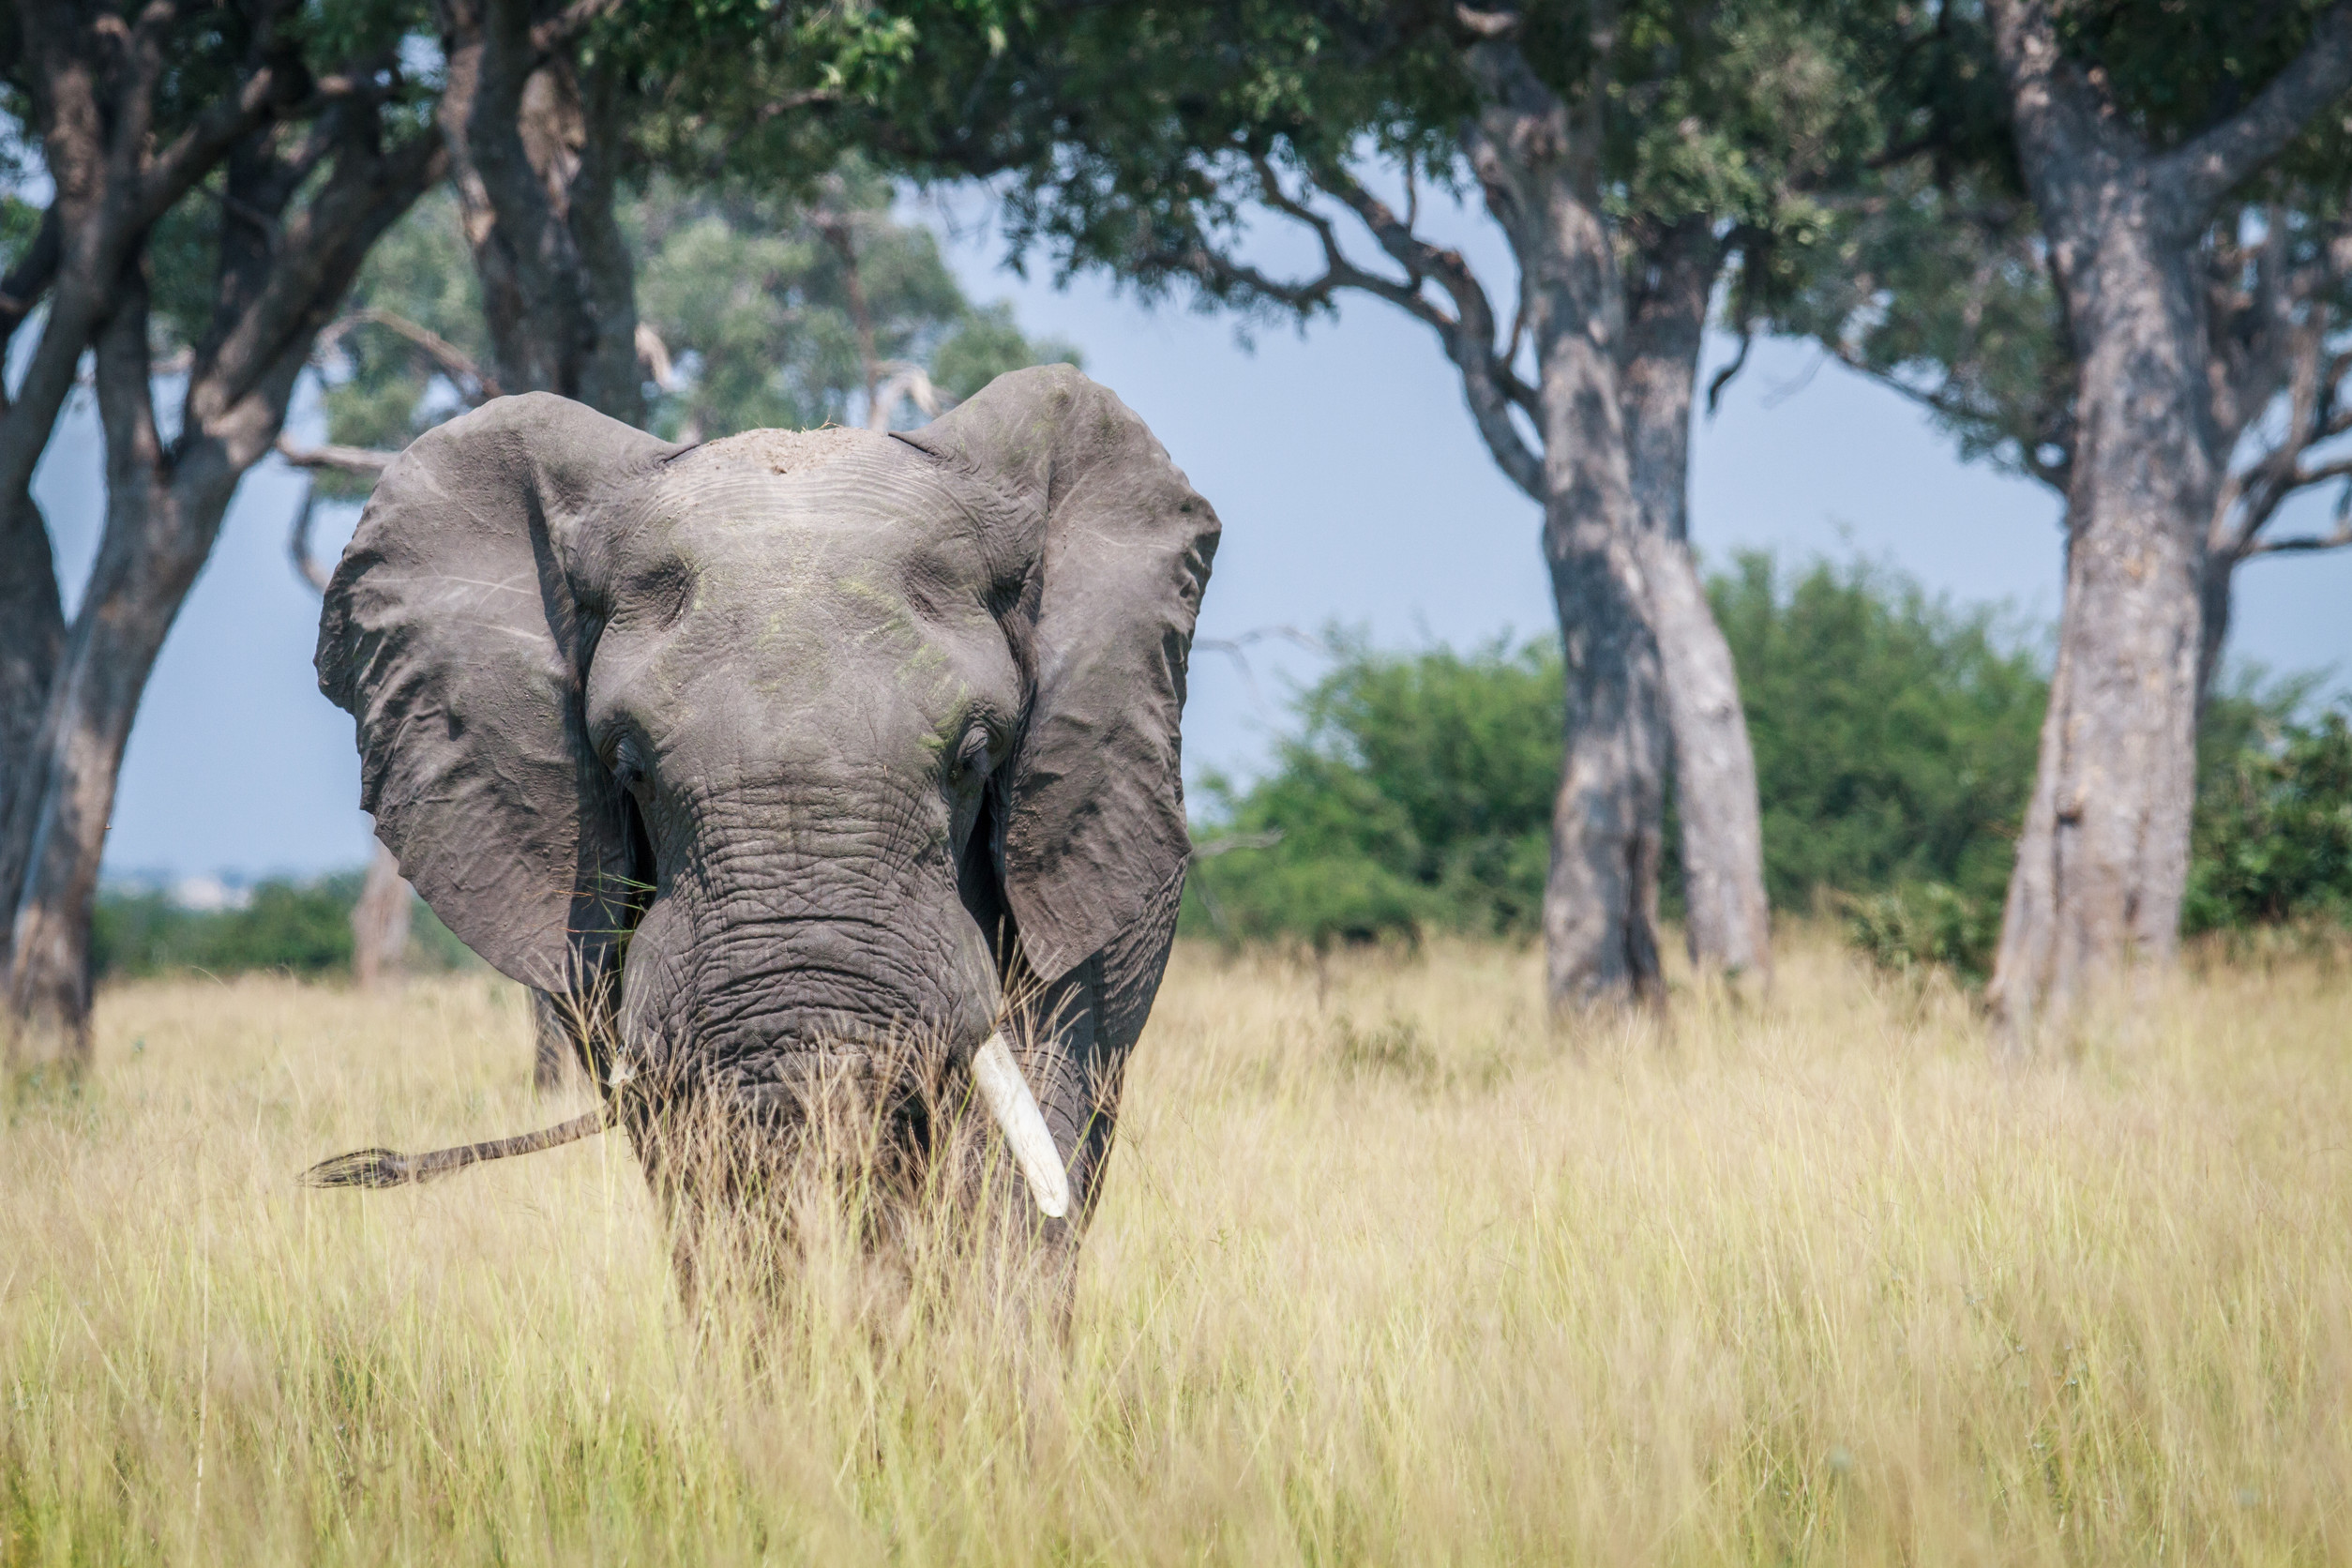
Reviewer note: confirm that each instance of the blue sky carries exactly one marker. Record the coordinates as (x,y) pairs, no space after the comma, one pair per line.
(1353,488)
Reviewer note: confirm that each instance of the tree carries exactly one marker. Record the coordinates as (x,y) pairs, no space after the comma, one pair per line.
(1633,156)
(2111,250)
(219,175)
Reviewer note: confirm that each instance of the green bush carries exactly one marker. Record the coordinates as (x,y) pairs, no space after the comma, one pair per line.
(1895,739)
(2274,832)
(1416,795)
(299,926)
(1895,735)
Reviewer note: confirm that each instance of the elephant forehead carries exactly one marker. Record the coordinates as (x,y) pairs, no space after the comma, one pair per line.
(815,555)
(778,515)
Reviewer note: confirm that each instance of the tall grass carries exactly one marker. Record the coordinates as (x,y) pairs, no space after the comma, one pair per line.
(1387,1272)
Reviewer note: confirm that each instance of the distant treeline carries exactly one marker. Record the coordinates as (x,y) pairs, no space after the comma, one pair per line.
(302,928)
(1894,740)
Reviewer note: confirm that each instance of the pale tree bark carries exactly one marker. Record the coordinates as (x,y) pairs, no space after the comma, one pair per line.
(536,140)
(1727,921)
(379,924)
(1541,176)
(2103,861)
(283,261)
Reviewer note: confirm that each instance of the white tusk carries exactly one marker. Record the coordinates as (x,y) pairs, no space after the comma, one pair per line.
(1016,1111)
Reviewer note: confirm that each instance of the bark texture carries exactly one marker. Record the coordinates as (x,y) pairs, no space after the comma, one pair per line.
(536,140)
(1728,921)
(2103,862)
(304,209)
(1540,178)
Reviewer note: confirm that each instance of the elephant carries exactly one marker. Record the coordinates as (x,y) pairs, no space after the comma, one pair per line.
(755,753)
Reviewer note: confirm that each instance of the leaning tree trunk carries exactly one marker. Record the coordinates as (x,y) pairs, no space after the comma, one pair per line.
(1728,921)
(157,532)
(1601,898)
(2104,859)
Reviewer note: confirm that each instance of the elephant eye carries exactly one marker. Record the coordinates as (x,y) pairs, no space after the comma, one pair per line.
(973,759)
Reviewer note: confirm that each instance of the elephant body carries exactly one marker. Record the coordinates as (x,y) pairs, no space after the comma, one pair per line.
(759,754)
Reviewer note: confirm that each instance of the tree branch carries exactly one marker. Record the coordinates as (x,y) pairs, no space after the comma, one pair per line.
(453,361)
(2337,539)
(178,167)
(1489,383)
(2197,174)
(306,566)
(347,459)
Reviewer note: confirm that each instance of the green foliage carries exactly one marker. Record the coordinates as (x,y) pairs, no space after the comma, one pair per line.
(1416,796)
(1923,927)
(748,293)
(2274,832)
(1932,273)
(1746,116)
(753,297)
(1895,743)
(1894,736)
(1894,740)
(303,928)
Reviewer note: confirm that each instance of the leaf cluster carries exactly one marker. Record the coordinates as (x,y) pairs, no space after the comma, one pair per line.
(2274,831)
(753,294)
(1415,795)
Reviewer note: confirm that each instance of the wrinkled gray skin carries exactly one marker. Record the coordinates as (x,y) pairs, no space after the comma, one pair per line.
(791,739)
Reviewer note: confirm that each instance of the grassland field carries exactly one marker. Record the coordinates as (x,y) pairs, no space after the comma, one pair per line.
(1388,1271)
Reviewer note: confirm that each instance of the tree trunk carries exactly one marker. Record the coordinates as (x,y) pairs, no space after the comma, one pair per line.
(2103,860)
(1728,923)
(1601,898)
(1541,175)
(379,924)
(160,524)
(536,152)
(32,642)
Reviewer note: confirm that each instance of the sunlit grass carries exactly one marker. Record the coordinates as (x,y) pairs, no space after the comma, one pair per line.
(1387,1272)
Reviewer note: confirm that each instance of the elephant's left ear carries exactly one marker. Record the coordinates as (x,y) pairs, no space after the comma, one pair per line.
(1094,830)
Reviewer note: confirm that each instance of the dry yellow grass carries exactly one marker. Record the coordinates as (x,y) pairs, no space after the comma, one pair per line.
(1387,1274)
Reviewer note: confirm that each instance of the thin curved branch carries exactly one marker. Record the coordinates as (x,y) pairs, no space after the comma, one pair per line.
(2337,539)
(348,459)
(306,566)
(1491,387)
(457,365)
(1468,331)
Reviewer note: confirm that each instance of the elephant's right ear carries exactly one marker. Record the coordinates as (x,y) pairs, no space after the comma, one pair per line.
(457,631)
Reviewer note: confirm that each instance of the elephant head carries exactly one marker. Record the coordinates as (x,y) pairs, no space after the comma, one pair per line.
(794,740)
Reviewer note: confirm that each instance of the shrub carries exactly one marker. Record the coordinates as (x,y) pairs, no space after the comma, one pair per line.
(2274,832)
(1415,795)
(301,927)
